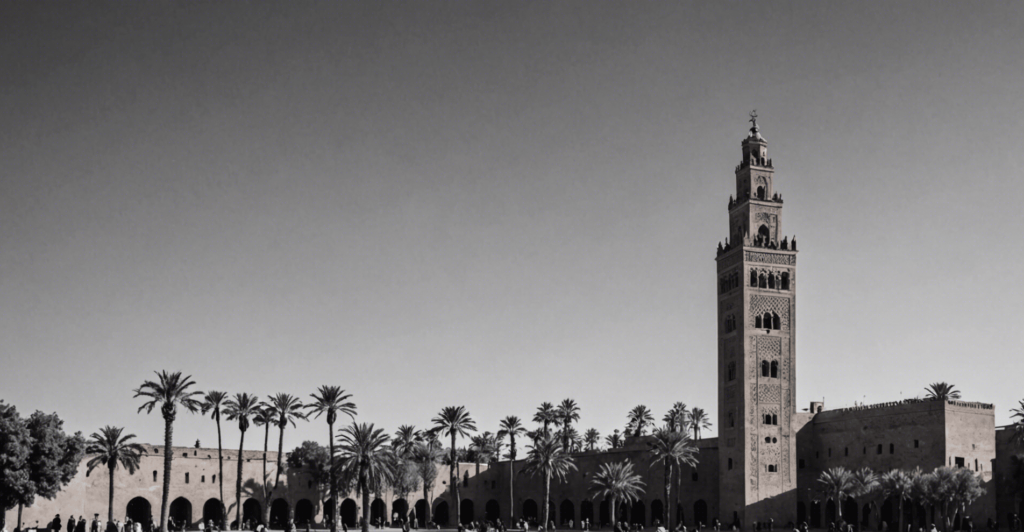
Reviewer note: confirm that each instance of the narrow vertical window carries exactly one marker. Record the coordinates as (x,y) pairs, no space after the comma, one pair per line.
(775,369)
(186,478)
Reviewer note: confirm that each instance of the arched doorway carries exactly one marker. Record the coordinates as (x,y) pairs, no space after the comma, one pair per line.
(657,511)
(139,510)
(421,512)
(764,233)
(466,511)
(815,514)
(586,511)
(830,511)
(212,512)
(700,513)
(400,507)
(639,513)
(566,512)
(349,512)
(441,513)
(492,511)
(801,512)
(888,515)
(181,512)
(252,511)
(603,514)
(530,510)
(850,510)
(279,514)
(304,513)
(378,511)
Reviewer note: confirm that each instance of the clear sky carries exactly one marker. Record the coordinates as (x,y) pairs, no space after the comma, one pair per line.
(497,204)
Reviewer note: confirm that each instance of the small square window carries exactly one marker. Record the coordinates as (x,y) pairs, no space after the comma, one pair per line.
(917,443)
(802,464)
(186,478)
(846,451)
(694,476)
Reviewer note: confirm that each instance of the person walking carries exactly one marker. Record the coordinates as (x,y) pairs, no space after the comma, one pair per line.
(56,524)
(71,523)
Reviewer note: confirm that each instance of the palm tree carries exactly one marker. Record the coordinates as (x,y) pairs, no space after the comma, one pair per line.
(112,449)
(618,482)
(287,408)
(1018,426)
(483,448)
(673,450)
(568,412)
(837,483)
(547,415)
(511,427)
(639,419)
(614,440)
(364,453)
(676,417)
(213,402)
(332,400)
(942,391)
(547,457)
(454,421)
(897,483)
(425,456)
(406,439)
(699,420)
(240,408)
(865,482)
(592,437)
(264,417)
(168,392)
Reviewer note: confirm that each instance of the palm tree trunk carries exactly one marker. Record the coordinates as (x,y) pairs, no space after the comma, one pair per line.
(364,487)
(334,482)
(110,505)
(238,482)
(426,498)
(220,477)
(18,525)
(266,493)
(900,518)
(668,491)
(675,500)
(280,453)
(454,472)
(611,511)
(547,498)
(168,433)
(511,486)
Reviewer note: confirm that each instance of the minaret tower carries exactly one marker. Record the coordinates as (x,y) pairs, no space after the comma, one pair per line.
(756,348)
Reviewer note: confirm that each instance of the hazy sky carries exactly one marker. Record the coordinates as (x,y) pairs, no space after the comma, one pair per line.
(497,204)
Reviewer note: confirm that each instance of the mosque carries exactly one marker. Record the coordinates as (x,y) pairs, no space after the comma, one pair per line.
(763,464)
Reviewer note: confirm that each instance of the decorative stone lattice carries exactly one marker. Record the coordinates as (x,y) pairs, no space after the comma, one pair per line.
(771,453)
(769,393)
(769,347)
(770,258)
(769,409)
(759,304)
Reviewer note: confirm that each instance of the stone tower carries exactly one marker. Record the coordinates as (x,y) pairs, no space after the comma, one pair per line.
(756,349)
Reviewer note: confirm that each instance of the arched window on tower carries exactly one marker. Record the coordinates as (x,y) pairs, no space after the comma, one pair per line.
(753,278)
(785,280)
(757,322)
(732,371)
(775,419)
(760,189)
(776,322)
(771,280)
(732,419)
(766,320)
(762,281)
(767,419)
(775,369)
(764,233)
(734,280)
(764,368)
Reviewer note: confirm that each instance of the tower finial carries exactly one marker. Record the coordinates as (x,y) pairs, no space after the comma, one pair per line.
(753,120)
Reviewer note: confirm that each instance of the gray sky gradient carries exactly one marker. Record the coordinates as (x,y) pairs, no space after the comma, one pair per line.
(497,204)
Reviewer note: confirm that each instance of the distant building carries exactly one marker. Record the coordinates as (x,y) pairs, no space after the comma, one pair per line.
(763,466)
